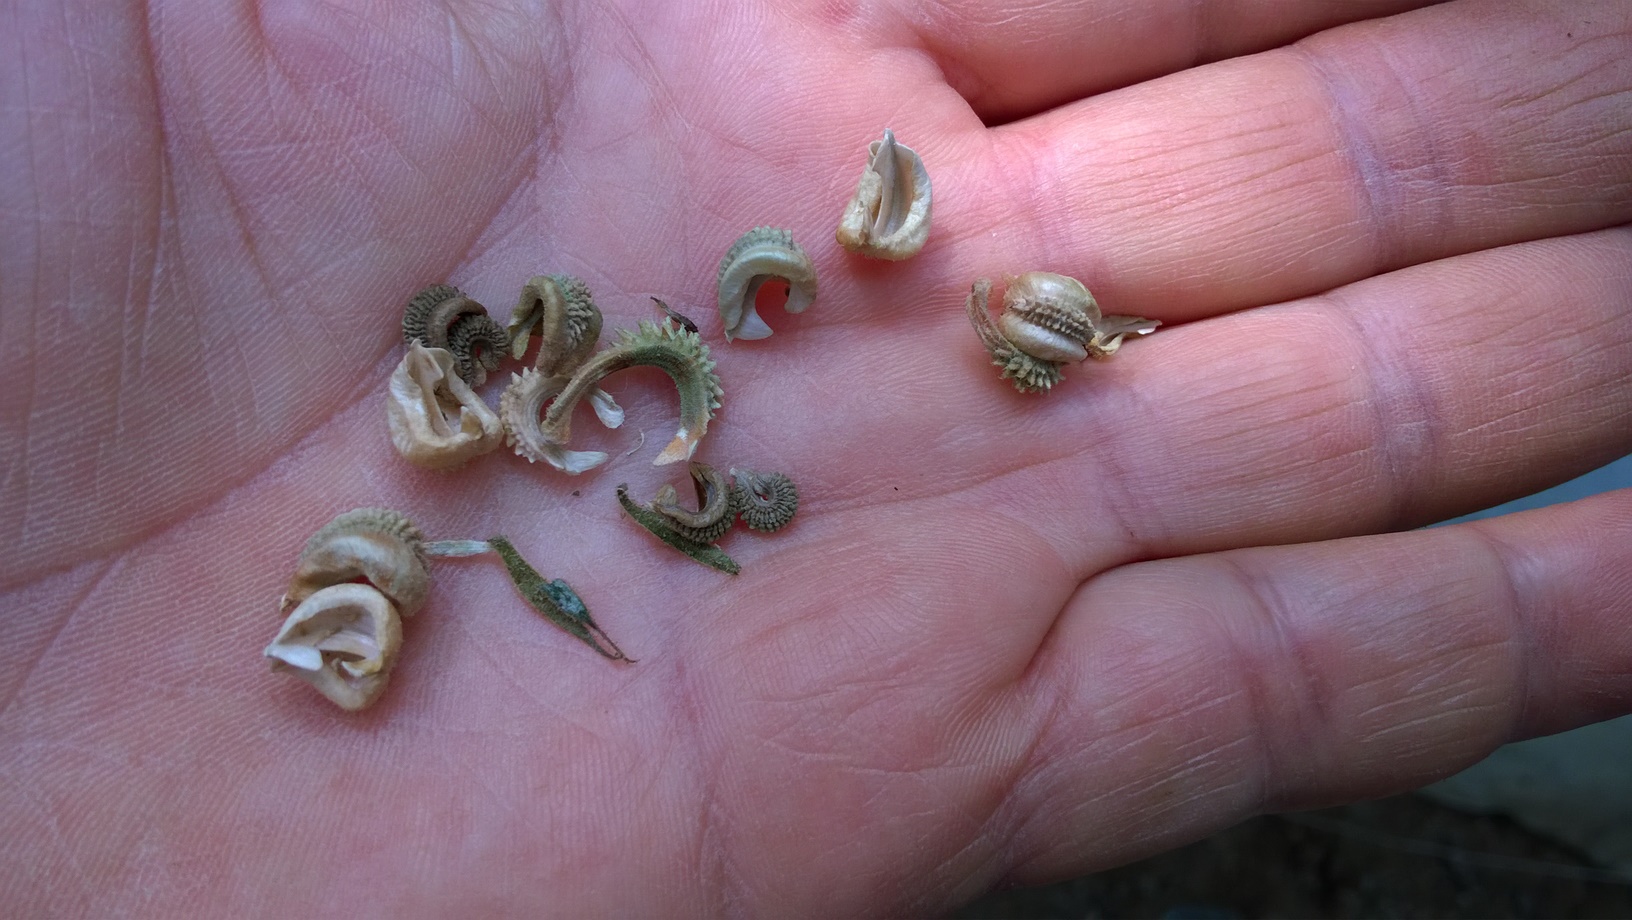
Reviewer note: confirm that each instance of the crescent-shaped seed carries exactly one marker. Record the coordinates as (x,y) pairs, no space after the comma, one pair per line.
(758,256)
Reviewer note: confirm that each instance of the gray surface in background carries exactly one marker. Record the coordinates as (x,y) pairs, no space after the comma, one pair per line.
(1575,788)
(1617,475)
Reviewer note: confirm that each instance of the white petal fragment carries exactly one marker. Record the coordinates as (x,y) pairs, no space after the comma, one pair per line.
(344,641)
(436,420)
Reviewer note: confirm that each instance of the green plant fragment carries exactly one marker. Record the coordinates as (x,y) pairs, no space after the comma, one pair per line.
(556,600)
(706,553)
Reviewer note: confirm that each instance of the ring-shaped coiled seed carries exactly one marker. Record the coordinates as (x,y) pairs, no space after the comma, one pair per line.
(477,343)
(766,501)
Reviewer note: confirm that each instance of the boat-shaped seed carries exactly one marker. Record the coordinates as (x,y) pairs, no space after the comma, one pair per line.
(757,257)
(888,218)
(1048,320)
(376,545)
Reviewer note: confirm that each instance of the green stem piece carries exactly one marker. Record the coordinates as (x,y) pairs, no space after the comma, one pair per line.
(556,600)
(706,553)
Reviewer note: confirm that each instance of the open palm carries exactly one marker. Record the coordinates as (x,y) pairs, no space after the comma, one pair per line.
(1008,638)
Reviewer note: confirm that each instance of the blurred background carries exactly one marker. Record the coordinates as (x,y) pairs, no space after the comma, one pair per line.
(1542,828)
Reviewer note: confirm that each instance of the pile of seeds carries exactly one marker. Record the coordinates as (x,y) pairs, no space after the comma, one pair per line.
(369,567)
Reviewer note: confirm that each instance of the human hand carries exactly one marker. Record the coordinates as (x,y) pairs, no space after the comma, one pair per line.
(1008,638)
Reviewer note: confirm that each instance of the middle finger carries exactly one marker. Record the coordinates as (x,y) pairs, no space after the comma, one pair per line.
(1362,149)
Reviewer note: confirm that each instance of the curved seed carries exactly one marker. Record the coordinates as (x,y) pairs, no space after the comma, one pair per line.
(715,511)
(1048,316)
(431,313)
(567,320)
(519,409)
(478,343)
(756,257)
(1048,320)
(441,316)
(680,354)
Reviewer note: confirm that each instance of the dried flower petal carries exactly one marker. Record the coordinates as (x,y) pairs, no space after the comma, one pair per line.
(344,641)
(889,216)
(436,420)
